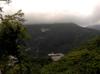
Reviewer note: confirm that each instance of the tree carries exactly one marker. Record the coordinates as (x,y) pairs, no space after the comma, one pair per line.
(11,34)
(12,43)
(12,37)
(84,60)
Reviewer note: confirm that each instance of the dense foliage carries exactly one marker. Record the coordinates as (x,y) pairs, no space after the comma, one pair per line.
(12,37)
(84,60)
(14,54)
(57,37)
(16,58)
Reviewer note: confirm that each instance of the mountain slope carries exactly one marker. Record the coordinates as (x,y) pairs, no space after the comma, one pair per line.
(96,27)
(47,38)
(83,60)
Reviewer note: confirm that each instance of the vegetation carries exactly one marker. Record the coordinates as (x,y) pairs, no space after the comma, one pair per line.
(13,38)
(13,35)
(16,58)
(84,60)
(58,37)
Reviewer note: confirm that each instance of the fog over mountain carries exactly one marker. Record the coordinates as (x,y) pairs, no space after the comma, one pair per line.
(82,12)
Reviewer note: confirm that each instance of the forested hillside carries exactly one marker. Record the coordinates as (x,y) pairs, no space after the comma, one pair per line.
(58,37)
(83,60)
(26,48)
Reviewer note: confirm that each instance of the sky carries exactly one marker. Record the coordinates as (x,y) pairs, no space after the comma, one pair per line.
(82,12)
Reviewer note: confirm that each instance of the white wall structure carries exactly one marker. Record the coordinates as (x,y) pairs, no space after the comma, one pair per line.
(56,56)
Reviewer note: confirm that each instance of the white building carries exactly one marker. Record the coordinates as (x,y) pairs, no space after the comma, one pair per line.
(56,56)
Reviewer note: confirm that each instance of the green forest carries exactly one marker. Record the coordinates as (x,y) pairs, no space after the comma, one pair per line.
(15,59)
(81,47)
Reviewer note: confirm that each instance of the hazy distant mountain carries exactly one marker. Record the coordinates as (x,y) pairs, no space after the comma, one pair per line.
(97,27)
(47,38)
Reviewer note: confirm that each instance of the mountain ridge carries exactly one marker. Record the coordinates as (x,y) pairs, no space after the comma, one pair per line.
(96,27)
(59,37)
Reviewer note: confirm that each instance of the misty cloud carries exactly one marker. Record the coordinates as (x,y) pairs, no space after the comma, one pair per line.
(92,19)
(82,12)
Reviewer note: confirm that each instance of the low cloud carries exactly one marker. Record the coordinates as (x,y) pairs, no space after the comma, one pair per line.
(81,12)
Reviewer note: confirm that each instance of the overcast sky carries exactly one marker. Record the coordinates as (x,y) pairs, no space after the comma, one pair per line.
(82,12)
